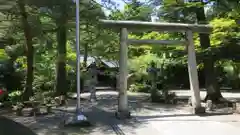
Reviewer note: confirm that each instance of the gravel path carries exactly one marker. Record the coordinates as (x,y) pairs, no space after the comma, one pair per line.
(148,118)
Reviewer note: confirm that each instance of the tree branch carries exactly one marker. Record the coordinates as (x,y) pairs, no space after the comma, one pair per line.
(50,31)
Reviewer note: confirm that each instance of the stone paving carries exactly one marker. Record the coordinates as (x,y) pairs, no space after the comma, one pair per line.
(148,118)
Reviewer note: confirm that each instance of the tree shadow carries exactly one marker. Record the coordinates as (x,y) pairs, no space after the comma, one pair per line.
(137,103)
(101,115)
(10,127)
(101,122)
(108,122)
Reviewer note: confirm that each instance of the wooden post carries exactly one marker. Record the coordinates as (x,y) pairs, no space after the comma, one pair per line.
(123,111)
(193,75)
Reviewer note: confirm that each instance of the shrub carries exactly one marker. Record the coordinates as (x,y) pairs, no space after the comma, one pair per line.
(137,87)
(15,96)
(175,70)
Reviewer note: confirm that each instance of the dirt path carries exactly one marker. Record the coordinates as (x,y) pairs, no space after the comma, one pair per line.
(147,118)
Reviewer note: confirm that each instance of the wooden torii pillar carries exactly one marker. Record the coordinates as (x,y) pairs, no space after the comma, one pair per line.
(188,29)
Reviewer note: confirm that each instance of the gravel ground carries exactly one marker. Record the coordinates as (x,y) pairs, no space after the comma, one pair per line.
(148,118)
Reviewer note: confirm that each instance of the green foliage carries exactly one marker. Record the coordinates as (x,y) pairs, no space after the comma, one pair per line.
(224,30)
(3,55)
(133,11)
(15,96)
(138,87)
(44,19)
(172,68)
(232,73)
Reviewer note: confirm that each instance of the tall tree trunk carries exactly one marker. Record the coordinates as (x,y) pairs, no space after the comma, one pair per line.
(29,50)
(85,59)
(86,50)
(213,90)
(85,55)
(61,86)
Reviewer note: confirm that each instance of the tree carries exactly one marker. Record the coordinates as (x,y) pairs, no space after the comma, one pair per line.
(135,10)
(191,12)
(62,12)
(52,33)
(29,49)
(61,23)
(182,13)
(21,44)
(213,91)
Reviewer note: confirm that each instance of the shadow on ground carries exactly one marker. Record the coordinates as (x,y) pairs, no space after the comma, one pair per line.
(10,127)
(101,116)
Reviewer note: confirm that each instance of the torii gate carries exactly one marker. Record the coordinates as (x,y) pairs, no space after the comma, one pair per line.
(188,29)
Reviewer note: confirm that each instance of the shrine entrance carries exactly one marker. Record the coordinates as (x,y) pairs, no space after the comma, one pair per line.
(129,26)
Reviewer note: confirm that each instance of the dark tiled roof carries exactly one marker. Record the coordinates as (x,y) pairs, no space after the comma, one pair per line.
(109,63)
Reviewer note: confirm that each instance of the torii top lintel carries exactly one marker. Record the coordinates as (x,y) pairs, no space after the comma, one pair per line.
(155,26)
